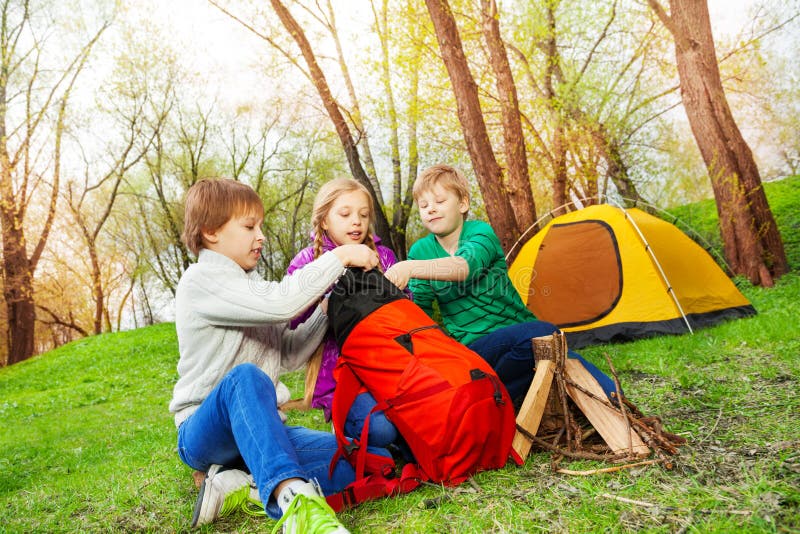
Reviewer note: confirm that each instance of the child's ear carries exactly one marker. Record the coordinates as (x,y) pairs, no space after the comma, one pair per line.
(463,205)
(210,236)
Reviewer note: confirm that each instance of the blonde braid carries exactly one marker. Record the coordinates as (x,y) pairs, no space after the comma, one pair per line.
(318,242)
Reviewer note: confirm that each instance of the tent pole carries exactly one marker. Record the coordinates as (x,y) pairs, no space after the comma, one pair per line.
(649,250)
(550,215)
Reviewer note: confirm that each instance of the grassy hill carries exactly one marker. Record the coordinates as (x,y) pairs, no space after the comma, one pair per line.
(88,444)
(701,218)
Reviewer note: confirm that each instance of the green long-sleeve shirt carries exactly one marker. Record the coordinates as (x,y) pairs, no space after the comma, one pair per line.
(482,303)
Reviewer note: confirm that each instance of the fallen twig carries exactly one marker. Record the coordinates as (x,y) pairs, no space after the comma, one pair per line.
(646,504)
(573,454)
(621,404)
(608,469)
(563,399)
(713,428)
(626,500)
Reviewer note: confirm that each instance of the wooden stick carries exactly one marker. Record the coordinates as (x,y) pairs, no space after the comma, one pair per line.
(629,501)
(607,469)
(621,404)
(557,343)
(651,505)
(577,454)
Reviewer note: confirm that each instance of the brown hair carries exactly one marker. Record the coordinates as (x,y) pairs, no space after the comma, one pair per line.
(448,177)
(325,198)
(210,203)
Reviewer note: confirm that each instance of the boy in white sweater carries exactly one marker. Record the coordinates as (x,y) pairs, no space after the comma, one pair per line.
(234,342)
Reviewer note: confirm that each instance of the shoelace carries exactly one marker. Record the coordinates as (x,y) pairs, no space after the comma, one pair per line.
(240,499)
(309,514)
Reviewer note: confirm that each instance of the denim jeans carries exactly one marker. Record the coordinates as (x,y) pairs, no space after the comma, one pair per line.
(508,350)
(239,423)
(382,432)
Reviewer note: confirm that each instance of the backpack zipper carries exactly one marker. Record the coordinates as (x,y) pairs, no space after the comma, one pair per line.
(405,339)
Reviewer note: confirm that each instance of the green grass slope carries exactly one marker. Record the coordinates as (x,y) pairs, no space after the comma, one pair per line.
(783,197)
(88,444)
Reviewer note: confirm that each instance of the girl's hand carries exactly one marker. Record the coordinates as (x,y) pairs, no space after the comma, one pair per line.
(357,256)
(399,274)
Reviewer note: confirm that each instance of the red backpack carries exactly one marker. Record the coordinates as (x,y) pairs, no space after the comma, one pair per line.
(445,400)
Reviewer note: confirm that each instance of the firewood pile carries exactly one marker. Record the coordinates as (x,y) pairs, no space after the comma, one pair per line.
(567,413)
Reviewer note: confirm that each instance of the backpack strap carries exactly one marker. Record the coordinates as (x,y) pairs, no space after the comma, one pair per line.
(355,451)
(377,486)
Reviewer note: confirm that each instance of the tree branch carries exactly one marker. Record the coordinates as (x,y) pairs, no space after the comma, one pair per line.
(680,39)
(599,40)
(55,319)
(263,36)
(757,37)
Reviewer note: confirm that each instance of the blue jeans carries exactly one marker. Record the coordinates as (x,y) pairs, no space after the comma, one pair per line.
(382,432)
(239,423)
(508,350)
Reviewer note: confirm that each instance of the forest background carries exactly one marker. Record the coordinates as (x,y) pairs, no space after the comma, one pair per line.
(109,111)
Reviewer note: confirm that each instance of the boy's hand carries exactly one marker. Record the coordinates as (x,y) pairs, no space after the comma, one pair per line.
(399,274)
(357,256)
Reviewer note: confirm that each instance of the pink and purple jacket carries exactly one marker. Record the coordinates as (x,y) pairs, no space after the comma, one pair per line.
(323,392)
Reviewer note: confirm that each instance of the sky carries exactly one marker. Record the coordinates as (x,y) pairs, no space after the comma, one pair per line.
(223,39)
(223,51)
(227,50)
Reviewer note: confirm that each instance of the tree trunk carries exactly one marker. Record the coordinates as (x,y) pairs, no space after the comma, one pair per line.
(356,114)
(519,182)
(559,169)
(97,290)
(564,108)
(489,174)
(752,243)
(382,29)
(17,269)
(552,74)
(335,114)
(617,171)
(403,212)
(17,287)
(18,266)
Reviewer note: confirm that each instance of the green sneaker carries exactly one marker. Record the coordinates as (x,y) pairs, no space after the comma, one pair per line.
(223,492)
(308,513)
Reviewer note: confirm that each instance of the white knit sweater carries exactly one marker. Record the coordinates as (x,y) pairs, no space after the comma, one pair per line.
(226,316)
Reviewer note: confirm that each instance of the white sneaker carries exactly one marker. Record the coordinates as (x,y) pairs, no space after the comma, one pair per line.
(309,513)
(224,491)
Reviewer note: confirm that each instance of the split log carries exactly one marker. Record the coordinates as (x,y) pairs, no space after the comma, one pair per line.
(533,407)
(609,423)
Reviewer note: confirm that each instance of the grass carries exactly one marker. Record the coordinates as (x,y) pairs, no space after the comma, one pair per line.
(700,218)
(89,446)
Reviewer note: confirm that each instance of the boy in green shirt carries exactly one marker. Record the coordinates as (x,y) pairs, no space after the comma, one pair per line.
(461,266)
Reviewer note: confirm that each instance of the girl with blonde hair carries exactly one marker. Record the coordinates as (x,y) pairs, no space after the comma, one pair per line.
(343,214)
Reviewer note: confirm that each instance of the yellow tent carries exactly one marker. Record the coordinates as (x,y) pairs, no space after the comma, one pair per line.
(605,273)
